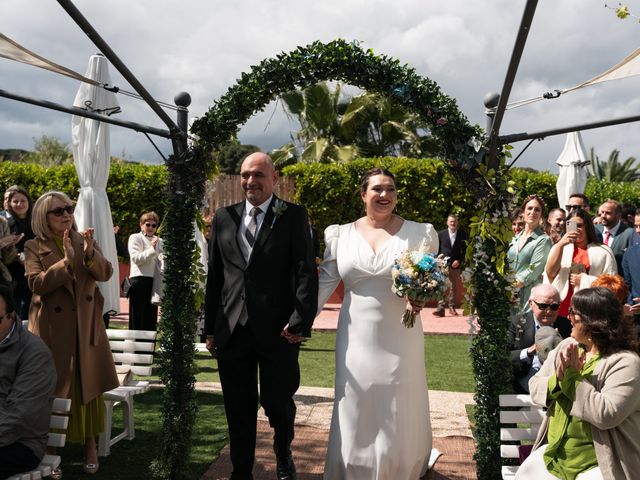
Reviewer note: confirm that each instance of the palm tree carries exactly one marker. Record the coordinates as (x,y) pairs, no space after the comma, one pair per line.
(612,169)
(321,137)
(337,130)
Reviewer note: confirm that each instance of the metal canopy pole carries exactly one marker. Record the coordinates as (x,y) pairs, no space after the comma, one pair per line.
(516,55)
(87,28)
(85,113)
(518,137)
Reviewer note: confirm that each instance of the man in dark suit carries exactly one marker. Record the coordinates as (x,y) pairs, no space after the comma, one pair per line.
(452,244)
(544,302)
(616,234)
(261,300)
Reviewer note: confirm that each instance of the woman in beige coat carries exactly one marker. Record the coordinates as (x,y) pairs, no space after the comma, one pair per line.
(62,267)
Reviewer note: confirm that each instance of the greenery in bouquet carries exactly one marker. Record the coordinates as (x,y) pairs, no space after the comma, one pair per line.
(419,276)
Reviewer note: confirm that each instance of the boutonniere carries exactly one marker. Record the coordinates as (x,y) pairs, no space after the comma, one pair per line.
(278,209)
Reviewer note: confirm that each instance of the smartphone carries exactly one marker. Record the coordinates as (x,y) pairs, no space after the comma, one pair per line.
(571,226)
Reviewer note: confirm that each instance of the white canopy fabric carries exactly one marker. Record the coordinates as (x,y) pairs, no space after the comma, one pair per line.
(91,155)
(573,174)
(14,51)
(627,67)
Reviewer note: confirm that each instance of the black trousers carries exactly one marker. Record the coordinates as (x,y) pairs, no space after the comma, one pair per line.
(239,363)
(143,315)
(16,458)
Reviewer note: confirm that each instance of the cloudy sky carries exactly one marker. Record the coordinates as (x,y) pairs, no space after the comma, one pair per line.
(202,46)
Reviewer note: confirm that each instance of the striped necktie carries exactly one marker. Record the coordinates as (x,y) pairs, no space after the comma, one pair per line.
(250,233)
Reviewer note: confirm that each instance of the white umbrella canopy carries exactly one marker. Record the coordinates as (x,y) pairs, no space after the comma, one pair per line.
(91,155)
(573,174)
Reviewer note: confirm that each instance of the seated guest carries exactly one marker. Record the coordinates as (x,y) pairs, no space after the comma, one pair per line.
(591,386)
(27,380)
(544,302)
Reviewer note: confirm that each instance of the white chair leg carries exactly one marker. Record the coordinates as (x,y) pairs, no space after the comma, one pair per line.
(104,441)
(127,414)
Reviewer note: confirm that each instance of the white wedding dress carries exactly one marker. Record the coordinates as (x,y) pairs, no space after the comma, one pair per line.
(381,427)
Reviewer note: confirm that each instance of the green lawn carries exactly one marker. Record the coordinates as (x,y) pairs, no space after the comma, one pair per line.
(446,357)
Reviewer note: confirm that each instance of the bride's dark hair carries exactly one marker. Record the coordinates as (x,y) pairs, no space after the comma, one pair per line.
(364,183)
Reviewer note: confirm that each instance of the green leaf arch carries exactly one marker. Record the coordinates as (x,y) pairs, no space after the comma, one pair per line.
(349,63)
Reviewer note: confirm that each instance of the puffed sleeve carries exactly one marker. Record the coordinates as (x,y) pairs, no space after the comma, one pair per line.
(431,240)
(329,276)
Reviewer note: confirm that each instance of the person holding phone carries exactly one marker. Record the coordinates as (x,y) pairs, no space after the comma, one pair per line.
(577,259)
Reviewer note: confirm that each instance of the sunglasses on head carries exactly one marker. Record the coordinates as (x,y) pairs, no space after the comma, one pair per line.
(546,306)
(152,225)
(60,211)
(573,207)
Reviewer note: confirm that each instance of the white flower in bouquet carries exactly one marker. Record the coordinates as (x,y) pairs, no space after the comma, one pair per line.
(419,276)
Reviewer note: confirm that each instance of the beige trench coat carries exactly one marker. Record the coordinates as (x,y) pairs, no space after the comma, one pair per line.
(66,312)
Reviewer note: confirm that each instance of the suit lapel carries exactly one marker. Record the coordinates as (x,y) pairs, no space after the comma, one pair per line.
(236,213)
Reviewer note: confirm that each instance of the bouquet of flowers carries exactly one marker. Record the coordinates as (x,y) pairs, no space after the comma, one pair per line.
(419,276)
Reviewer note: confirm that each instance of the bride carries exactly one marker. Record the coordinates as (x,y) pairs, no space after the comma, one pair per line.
(380,428)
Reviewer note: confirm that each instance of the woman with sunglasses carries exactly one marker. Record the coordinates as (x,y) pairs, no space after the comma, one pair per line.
(577,259)
(20,206)
(591,388)
(145,252)
(62,267)
(528,251)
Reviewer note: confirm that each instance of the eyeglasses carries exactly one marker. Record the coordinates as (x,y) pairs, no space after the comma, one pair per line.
(60,211)
(152,225)
(546,306)
(573,207)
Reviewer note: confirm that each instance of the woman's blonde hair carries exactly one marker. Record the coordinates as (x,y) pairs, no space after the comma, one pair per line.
(39,223)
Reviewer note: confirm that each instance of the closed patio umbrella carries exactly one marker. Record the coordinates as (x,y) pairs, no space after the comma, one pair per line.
(91,155)
(572,177)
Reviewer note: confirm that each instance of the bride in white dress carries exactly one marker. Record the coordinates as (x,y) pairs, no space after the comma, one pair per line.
(380,428)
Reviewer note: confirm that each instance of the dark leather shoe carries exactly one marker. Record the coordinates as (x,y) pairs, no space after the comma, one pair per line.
(286,469)
(439,313)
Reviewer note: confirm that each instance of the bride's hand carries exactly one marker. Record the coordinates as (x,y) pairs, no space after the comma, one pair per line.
(416,305)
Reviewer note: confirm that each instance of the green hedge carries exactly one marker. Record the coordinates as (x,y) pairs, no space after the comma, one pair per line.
(132,188)
(598,191)
(427,191)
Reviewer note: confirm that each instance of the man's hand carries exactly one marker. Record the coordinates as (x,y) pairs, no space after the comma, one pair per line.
(532,350)
(291,337)
(211,346)
(455,264)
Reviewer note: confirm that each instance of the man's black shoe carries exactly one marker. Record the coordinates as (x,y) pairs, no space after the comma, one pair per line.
(286,469)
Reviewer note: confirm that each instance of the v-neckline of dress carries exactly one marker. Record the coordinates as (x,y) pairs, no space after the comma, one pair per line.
(384,244)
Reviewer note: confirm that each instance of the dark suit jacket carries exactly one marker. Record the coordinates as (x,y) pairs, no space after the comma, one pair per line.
(278,285)
(522,334)
(621,241)
(455,251)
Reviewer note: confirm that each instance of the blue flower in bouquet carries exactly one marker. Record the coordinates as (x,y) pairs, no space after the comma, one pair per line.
(427,263)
